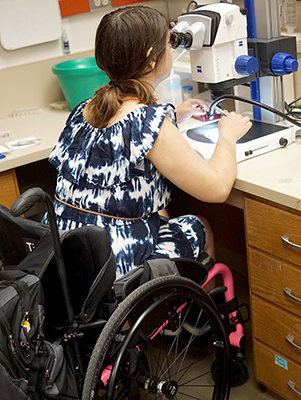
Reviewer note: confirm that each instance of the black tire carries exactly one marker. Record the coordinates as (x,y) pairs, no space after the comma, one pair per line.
(141,363)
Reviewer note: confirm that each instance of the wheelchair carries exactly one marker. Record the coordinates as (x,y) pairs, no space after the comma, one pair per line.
(162,339)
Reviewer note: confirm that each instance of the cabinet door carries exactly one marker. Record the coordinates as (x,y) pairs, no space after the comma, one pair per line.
(9,189)
(276,371)
(266,224)
(277,328)
(270,276)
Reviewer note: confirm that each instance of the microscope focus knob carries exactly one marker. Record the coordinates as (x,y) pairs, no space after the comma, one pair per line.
(246,65)
(284,64)
(229,19)
(283,142)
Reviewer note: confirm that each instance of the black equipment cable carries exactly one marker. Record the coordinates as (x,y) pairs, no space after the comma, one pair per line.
(192,2)
(293,109)
(254,103)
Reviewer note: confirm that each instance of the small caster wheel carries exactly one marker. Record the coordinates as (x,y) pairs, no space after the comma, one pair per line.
(239,372)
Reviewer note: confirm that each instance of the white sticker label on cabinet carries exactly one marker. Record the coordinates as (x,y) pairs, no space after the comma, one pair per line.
(281,362)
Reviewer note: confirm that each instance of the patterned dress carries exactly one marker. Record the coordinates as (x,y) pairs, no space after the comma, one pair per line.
(104,171)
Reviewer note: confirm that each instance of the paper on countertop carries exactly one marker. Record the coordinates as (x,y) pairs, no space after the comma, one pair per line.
(4,150)
(21,144)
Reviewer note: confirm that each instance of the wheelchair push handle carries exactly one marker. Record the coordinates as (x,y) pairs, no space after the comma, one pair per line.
(24,203)
(27,200)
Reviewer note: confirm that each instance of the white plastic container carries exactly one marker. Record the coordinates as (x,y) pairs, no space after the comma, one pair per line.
(290,16)
(187,92)
(170,90)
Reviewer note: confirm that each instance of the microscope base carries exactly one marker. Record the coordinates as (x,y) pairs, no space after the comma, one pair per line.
(262,138)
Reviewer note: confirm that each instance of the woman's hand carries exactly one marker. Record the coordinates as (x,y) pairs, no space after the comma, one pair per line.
(191,107)
(178,162)
(233,126)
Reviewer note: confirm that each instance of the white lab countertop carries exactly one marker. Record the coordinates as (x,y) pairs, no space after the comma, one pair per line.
(46,125)
(275,176)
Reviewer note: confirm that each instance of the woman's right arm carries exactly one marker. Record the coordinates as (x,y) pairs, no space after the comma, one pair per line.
(177,161)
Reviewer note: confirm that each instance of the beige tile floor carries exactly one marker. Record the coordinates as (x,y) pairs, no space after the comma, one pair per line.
(251,389)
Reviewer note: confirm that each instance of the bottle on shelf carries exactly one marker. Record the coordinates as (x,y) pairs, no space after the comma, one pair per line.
(170,90)
(290,15)
(187,92)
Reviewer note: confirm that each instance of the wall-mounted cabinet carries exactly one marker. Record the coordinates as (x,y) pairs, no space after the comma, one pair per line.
(72,7)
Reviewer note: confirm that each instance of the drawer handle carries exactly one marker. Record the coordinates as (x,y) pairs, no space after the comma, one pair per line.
(288,292)
(290,339)
(286,240)
(292,385)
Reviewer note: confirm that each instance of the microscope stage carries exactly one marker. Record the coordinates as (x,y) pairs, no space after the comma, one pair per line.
(261,138)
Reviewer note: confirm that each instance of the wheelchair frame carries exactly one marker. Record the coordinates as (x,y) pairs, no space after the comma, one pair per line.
(170,312)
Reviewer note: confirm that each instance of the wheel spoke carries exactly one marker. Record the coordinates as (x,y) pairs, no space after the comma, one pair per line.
(146,364)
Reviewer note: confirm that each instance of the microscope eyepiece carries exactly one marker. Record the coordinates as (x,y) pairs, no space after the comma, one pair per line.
(180,40)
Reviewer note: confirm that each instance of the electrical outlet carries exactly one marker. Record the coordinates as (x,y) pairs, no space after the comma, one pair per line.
(5,133)
(95,4)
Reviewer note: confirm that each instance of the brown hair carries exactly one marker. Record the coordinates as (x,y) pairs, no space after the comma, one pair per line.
(123,40)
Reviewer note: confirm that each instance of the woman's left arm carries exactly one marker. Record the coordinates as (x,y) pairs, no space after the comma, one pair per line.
(191,107)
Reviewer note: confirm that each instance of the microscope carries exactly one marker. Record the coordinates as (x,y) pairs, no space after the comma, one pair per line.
(229,47)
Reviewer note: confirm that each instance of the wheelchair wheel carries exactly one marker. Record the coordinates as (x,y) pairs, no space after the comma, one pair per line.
(159,344)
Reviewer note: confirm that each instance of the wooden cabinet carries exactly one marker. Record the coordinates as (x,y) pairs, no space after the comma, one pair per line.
(9,189)
(274,268)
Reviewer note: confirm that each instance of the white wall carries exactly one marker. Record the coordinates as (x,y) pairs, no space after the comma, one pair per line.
(81,29)
(178,7)
(80,32)
(26,78)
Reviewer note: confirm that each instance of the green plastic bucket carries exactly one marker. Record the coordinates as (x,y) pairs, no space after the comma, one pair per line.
(79,79)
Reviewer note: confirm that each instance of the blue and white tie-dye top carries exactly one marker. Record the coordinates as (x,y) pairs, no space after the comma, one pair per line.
(105,171)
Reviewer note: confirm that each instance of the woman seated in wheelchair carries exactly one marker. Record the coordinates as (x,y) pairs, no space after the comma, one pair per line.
(121,151)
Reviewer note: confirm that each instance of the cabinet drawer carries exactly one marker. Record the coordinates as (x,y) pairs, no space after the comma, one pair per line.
(9,188)
(275,371)
(269,276)
(266,224)
(272,325)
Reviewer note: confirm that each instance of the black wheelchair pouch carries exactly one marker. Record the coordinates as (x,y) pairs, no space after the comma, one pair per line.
(30,367)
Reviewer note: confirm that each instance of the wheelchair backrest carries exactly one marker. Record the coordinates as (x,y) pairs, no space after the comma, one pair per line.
(88,257)
(18,237)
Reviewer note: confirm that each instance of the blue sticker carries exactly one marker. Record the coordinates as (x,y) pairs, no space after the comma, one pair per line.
(175,85)
(281,362)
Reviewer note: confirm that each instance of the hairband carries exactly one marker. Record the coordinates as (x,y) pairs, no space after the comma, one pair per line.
(115,83)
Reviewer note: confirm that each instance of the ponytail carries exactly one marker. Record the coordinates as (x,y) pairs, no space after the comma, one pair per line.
(123,41)
(108,99)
